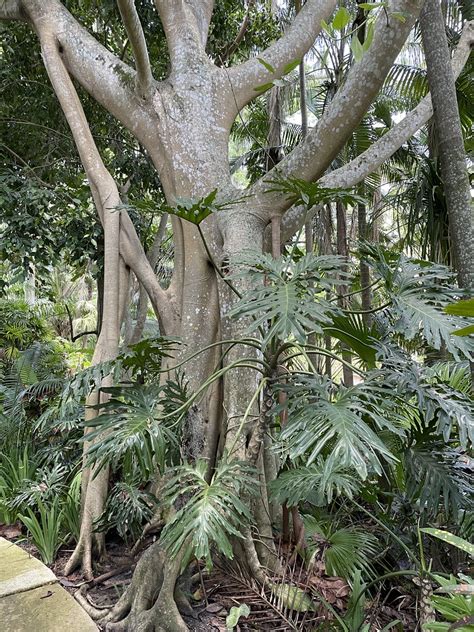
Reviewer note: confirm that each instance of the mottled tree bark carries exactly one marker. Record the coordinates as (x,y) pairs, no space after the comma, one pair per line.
(452,157)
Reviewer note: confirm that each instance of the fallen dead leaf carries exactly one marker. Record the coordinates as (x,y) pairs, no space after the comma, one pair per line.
(10,531)
(213,608)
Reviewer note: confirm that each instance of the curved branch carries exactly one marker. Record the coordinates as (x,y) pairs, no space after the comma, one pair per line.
(103,75)
(232,46)
(136,37)
(295,42)
(355,171)
(310,159)
(103,186)
(372,158)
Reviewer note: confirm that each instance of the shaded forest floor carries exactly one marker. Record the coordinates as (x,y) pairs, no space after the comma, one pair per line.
(216,593)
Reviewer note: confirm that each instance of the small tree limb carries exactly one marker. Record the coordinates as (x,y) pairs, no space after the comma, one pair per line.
(372,158)
(293,44)
(310,159)
(131,21)
(186,26)
(100,72)
(232,47)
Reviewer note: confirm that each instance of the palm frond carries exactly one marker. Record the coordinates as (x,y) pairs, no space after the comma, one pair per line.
(344,551)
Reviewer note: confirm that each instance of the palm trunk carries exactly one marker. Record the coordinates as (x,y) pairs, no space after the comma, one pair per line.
(343,251)
(452,156)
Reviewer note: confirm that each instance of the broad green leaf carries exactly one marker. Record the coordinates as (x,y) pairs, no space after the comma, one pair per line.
(235,614)
(323,416)
(325,26)
(350,328)
(465,331)
(357,48)
(341,19)
(214,511)
(291,66)
(369,36)
(464,307)
(291,301)
(398,15)
(266,64)
(452,539)
(293,597)
(317,484)
(263,87)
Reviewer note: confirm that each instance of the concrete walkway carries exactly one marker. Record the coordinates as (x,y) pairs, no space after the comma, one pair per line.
(31,599)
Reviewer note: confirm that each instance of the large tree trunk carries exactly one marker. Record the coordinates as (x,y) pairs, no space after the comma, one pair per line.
(184,123)
(452,156)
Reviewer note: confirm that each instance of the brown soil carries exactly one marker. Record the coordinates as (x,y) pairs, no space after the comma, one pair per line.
(221,591)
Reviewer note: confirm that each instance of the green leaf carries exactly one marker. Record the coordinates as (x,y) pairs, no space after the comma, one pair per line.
(235,614)
(351,329)
(369,36)
(325,26)
(317,484)
(370,6)
(291,66)
(357,48)
(452,539)
(324,416)
(138,423)
(419,292)
(267,65)
(214,511)
(290,302)
(293,597)
(398,15)
(311,193)
(464,307)
(341,19)
(345,551)
(465,331)
(264,86)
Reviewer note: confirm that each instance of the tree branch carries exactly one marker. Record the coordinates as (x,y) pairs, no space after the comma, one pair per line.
(232,46)
(108,79)
(186,25)
(355,171)
(131,21)
(103,186)
(312,157)
(295,42)
(372,158)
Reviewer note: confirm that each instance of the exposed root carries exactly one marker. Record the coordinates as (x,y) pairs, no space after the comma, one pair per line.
(90,542)
(92,611)
(150,602)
